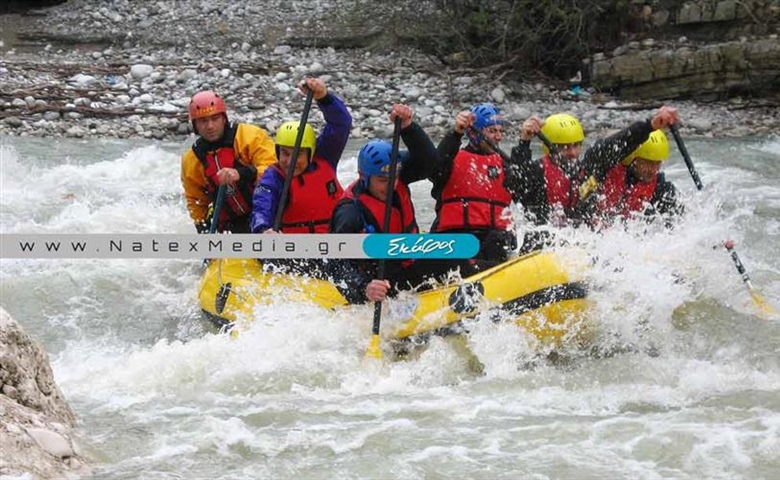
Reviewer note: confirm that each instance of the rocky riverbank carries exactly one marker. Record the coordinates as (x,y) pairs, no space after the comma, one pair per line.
(37,434)
(89,69)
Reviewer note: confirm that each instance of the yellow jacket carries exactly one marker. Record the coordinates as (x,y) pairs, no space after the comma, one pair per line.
(252,146)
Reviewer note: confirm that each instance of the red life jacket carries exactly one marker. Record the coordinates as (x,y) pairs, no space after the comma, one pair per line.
(238,199)
(402,219)
(474,196)
(619,198)
(560,189)
(313,195)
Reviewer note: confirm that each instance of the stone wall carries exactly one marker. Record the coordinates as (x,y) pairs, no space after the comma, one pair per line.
(729,48)
(707,72)
(724,18)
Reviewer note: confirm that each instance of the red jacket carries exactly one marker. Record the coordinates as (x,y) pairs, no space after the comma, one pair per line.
(474,196)
(312,197)
(402,218)
(560,189)
(237,200)
(619,198)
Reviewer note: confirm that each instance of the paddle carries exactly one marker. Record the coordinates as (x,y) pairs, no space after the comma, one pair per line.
(374,350)
(686,156)
(482,138)
(221,191)
(758,300)
(293,161)
(550,146)
(217,208)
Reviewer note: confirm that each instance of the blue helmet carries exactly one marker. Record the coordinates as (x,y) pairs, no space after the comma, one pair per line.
(374,159)
(487,115)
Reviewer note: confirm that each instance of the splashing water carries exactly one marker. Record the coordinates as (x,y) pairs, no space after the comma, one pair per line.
(684,383)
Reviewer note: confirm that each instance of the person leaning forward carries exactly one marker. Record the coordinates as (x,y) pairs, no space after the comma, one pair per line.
(549,188)
(636,187)
(227,154)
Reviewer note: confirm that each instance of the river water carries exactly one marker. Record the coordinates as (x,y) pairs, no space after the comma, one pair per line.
(159,395)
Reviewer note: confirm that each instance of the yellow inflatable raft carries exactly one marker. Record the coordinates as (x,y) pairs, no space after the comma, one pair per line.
(539,291)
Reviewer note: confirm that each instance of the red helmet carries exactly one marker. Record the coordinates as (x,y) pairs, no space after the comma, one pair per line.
(206,104)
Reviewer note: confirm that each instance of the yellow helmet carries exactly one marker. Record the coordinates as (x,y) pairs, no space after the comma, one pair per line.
(288,132)
(655,149)
(562,129)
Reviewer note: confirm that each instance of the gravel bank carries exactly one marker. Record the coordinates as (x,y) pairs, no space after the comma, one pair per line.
(111,69)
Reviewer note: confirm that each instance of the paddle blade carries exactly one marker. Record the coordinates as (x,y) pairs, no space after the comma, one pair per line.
(765,309)
(374,350)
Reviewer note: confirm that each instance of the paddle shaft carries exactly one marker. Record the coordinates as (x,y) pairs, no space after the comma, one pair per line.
(550,146)
(765,310)
(740,267)
(686,156)
(388,214)
(293,161)
(217,208)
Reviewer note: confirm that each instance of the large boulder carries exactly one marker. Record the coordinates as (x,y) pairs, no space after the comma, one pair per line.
(36,424)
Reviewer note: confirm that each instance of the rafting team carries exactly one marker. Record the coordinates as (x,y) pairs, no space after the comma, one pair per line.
(474,185)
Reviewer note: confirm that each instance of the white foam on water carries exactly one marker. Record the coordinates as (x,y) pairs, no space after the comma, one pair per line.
(291,396)
(770,145)
(133,193)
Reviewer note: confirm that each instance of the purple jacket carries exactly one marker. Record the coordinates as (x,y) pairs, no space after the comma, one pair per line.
(330,145)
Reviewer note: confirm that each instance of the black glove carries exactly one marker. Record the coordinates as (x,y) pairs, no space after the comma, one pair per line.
(202,226)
